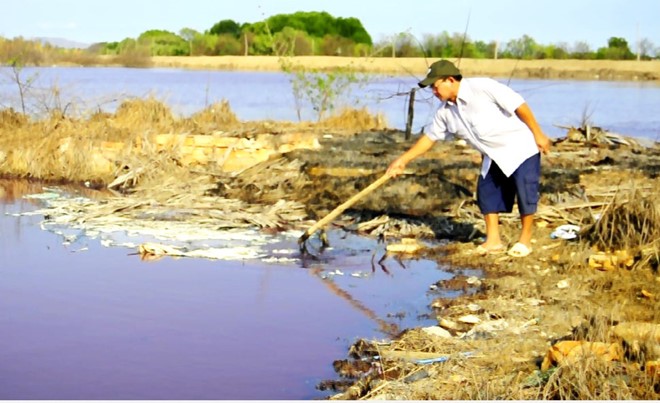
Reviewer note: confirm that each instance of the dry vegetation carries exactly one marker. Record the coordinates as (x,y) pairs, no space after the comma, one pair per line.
(603,287)
(558,69)
(551,326)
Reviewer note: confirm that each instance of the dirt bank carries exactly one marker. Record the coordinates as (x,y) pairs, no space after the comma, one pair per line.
(547,69)
(509,320)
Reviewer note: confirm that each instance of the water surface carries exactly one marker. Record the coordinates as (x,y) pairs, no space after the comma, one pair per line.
(628,108)
(83,321)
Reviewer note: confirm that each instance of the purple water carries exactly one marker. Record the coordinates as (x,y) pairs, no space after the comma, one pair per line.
(90,322)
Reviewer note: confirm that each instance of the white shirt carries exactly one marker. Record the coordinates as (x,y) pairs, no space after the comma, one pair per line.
(484,116)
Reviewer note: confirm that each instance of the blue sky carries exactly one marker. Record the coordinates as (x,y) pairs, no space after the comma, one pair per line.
(547,21)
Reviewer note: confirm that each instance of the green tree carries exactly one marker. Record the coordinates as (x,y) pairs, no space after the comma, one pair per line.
(352,29)
(524,47)
(406,46)
(131,53)
(205,45)
(556,51)
(323,90)
(485,50)
(229,27)
(319,25)
(444,45)
(617,49)
(582,51)
(227,44)
(164,43)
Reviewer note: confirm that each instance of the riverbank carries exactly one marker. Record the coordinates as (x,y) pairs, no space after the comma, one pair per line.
(495,334)
(545,69)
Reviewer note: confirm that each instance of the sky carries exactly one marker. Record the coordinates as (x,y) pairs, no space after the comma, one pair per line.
(546,21)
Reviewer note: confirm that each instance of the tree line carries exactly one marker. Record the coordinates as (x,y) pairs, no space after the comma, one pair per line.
(313,33)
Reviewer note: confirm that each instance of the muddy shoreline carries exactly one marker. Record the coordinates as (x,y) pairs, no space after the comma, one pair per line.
(524,306)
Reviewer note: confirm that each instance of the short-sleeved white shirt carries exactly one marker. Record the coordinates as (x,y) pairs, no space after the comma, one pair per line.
(484,116)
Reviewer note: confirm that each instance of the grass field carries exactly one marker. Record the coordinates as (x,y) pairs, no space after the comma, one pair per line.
(568,69)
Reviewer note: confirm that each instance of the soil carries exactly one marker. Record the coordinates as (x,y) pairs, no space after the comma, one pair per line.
(522,306)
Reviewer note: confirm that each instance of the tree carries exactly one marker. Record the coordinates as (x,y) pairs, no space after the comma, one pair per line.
(646,48)
(523,48)
(437,45)
(617,49)
(24,85)
(284,41)
(486,50)
(406,46)
(323,90)
(227,44)
(319,25)
(188,34)
(164,43)
(581,50)
(352,28)
(229,27)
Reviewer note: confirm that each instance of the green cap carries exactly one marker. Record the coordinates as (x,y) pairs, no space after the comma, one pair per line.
(439,69)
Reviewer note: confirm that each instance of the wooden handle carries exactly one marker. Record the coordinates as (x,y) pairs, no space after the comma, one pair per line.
(348,203)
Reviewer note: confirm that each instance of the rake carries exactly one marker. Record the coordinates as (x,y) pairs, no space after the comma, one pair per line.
(337,211)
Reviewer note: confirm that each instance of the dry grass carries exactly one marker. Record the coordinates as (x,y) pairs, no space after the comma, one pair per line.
(62,148)
(631,222)
(416,67)
(354,120)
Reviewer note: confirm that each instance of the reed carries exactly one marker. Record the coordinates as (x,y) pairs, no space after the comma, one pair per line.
(104,146)
(355,119)
(630,222)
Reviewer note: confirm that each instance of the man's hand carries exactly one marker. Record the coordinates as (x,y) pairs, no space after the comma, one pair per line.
(420,147)
(525,114)
(542,142)
(396,167)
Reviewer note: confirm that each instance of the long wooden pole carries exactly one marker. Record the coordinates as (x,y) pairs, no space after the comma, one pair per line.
(340,209)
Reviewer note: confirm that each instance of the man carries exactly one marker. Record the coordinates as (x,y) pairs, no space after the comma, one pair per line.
(496,121)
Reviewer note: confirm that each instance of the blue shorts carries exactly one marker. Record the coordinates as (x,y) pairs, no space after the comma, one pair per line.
(496,193)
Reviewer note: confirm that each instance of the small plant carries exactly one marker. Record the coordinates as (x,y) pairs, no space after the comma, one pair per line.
(24,85)
(322,89)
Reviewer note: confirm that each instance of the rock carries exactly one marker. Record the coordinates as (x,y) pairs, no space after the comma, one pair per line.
(471,319)
(449,324)
(437,331)
(488,328)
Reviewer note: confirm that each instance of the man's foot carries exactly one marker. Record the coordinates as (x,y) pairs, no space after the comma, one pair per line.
(484,249)
(519,250)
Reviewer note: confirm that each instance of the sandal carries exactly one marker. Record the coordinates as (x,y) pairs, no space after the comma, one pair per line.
(519,250)
(483,251)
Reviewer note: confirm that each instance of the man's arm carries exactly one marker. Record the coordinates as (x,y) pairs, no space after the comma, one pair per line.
(525,114)
(420,147)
